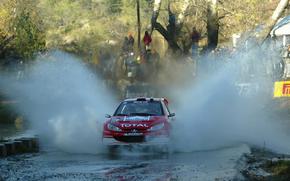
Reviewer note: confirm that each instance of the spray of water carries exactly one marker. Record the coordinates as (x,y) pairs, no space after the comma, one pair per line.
(64,102)
(211,112)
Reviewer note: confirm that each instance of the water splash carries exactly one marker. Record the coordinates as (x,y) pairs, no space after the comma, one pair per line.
(64,102)
(212,114)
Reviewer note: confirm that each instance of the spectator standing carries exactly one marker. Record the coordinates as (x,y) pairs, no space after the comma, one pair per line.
(131,41)
(125,46)
(147,40)
(195,37)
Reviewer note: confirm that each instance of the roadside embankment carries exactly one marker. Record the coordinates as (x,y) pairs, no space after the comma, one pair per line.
(9,147)
(266,165)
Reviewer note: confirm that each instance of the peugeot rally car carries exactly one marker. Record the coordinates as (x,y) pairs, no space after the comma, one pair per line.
(142,121)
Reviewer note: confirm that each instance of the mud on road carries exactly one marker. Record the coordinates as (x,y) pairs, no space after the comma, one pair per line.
(222,164)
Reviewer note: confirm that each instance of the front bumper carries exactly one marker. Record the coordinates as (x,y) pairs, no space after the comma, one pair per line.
(149,141)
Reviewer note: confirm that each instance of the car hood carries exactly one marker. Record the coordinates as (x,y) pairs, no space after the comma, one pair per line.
(136,122)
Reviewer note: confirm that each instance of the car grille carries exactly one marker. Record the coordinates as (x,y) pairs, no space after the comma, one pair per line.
(130,139)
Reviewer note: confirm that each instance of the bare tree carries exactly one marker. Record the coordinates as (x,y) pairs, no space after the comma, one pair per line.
(175,23)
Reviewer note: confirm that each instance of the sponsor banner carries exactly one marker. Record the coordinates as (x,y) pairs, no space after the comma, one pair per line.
(128,125)
(282,89)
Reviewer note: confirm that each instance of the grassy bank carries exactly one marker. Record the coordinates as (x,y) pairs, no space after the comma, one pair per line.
(280,169)
(263,164)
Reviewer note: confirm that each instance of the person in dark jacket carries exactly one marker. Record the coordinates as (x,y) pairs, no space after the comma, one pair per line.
(131,42)
(125,46)
(195,37)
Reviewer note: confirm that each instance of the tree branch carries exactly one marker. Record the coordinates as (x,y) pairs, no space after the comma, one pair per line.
(162,30)
(272,20)
(5,42)
(172,43)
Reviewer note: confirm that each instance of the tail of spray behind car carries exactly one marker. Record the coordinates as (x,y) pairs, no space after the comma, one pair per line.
(64,102)
(212,113)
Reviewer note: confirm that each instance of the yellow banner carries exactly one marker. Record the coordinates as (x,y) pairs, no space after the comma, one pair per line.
(282,89)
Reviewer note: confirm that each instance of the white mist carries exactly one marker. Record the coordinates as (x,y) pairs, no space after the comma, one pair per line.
(64,102)
(211,114)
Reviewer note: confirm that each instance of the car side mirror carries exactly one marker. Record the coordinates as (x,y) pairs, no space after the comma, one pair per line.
(108,116)
(171,115)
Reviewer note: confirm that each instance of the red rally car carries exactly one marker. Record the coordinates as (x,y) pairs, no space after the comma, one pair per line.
(142,121)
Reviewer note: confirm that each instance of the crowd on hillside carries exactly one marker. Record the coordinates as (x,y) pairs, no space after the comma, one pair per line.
(143,64)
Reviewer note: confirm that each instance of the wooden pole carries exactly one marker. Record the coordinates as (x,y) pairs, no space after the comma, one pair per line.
(139,25)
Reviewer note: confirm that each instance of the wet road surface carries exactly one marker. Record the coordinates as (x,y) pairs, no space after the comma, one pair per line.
(221,164)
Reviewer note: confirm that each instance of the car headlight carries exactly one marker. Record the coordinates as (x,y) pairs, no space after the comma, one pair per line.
(113,128)
(157,127)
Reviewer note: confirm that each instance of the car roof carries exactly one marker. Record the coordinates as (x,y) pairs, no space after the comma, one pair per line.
(144,99)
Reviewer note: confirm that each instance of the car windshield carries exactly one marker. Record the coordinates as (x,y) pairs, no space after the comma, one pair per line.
(139,108)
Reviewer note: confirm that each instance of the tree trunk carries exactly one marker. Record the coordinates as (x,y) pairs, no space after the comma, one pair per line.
(174,26)
(212,25)
(139,26)
(156,9)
